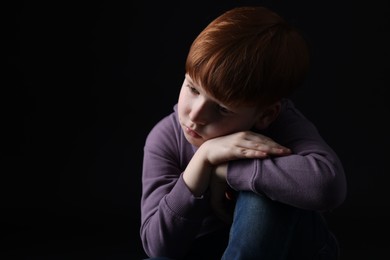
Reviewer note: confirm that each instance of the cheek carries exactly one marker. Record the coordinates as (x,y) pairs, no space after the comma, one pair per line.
(219,129)
(233,126)
(183,104)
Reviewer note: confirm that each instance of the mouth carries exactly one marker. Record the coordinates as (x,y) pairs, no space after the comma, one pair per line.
(191,132)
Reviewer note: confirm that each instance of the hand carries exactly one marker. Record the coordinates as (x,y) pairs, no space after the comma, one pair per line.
(240,145)
(222,149)
(222,206)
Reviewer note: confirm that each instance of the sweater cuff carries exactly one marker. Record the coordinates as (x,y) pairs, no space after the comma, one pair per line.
(184,204)
(240,174)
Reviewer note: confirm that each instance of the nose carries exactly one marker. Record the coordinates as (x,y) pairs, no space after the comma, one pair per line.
(201,112)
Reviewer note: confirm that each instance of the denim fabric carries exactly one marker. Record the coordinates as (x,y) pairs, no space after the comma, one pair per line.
(265,229)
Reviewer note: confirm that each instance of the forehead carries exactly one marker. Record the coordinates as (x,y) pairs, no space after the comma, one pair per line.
(200,89)
(190,80)
(209,96)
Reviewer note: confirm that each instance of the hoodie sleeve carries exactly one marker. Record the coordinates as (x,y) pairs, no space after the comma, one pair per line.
(171,216)
(312,177)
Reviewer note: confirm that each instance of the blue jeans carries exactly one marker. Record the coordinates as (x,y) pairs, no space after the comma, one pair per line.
(265,229)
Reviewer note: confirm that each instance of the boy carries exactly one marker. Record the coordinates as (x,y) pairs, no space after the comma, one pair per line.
(235,142)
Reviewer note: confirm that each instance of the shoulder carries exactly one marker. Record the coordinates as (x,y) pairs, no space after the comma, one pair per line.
(166,140)
(292,123)
(167,135)
(165,128)
(291,115)
(290,111)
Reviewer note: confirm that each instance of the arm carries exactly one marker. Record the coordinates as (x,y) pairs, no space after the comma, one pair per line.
(175,180)
(312,177)
(171,216)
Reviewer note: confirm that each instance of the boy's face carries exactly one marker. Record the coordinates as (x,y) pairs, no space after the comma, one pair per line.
(202,117)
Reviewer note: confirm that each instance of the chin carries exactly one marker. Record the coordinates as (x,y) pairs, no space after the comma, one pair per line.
(194,142)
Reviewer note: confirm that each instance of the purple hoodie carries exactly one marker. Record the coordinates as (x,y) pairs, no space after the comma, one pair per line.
(311,178)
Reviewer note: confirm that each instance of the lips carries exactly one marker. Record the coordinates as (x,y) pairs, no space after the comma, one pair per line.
(191,132)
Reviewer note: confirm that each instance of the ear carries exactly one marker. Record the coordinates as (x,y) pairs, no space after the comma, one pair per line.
(268,115)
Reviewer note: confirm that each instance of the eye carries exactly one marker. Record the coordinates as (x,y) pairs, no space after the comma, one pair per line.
(193,90)
(224,110)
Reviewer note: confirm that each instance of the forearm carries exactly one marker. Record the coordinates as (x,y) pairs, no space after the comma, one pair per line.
(197,173)
(311,182)
(173,207)
(171,221)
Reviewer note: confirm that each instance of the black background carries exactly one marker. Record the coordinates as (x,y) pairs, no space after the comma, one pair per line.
(84,82)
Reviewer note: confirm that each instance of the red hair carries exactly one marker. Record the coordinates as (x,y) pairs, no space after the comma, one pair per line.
(248,55)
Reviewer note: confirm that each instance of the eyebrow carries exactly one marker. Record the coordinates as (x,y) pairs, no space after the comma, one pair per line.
(232,110)
(189,79)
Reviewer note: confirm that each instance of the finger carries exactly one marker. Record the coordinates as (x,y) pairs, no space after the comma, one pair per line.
(264,144)
(259,138)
